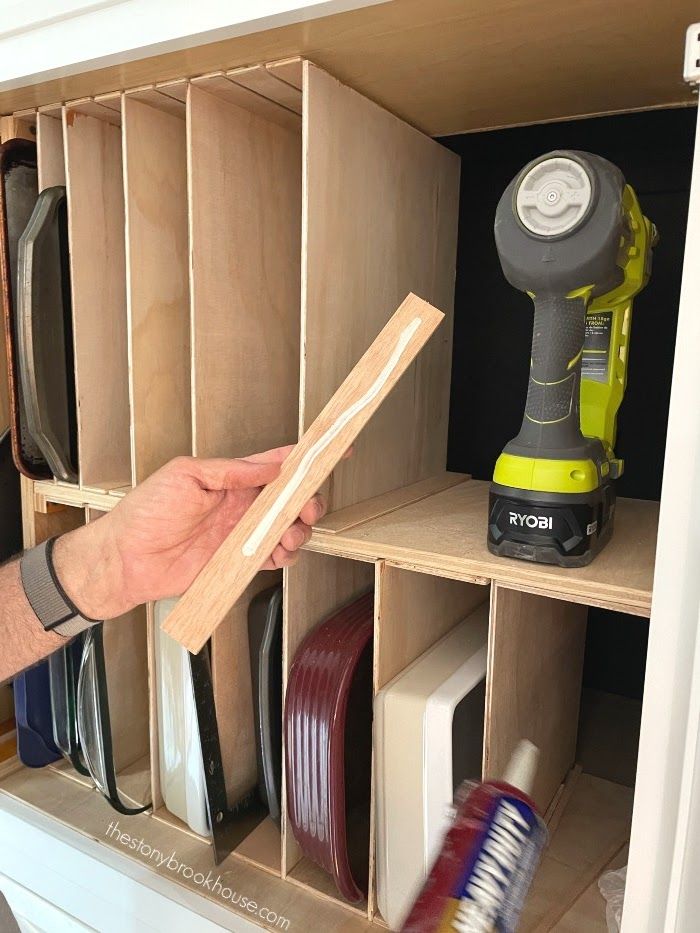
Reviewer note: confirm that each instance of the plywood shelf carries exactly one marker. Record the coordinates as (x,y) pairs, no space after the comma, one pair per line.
(591,833)
(445,534)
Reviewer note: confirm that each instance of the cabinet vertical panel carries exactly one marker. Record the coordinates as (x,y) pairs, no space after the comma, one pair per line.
(158,301)
(245,207)
(314,588)
(533,684)
(413,611)
(50,157)
(379,220)
(244,195)
(98,283)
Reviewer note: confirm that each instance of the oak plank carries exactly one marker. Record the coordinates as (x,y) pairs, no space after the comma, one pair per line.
(236,562)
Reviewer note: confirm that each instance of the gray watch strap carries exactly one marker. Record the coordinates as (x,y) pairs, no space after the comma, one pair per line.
(50,602)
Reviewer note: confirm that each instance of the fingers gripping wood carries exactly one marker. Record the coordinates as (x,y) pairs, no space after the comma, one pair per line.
(230,570)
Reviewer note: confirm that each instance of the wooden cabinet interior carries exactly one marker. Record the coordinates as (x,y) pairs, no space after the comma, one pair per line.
(273,218)
(93,147)
(157,283)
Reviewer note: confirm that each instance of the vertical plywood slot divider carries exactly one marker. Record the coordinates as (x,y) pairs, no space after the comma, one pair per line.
(93,161)
(413,611)
(158,302)
(51,162)
(533,686)
(379,221)
(314,588)
(244,199)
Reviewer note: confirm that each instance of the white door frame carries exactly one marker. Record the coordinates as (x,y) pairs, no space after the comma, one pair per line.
(663,887)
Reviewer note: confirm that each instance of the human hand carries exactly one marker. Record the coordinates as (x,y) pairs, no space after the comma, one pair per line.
(157,539)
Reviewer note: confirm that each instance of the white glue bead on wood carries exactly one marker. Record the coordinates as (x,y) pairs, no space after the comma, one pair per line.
(229,571)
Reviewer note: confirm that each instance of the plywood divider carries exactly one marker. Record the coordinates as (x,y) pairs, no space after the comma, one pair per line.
(244,256)
(158,301)
(221,85)
(89,107)
(533,685)
(412,612)
(51,162)
(289,70)
(379,220)
(153,733)
(233,692)
(244,226)
(265,82)
(97,256)
(313,588)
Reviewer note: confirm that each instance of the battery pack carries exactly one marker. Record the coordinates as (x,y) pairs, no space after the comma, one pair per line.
(547,528)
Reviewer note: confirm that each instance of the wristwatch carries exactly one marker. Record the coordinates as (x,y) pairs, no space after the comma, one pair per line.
(51,604)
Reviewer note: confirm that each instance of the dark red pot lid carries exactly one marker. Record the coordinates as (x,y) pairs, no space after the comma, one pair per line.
(328,745)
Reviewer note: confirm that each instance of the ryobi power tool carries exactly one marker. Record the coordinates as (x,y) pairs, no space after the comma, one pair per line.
(571,234)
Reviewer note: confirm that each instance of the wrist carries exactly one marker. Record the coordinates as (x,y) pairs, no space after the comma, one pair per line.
(88,566)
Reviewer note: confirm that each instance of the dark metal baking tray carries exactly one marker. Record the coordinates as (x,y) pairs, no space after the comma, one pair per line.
(45,334)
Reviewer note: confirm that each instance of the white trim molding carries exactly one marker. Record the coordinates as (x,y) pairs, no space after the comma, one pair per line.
(48,39)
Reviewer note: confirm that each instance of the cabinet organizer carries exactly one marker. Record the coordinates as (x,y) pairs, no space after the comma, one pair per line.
(204,213)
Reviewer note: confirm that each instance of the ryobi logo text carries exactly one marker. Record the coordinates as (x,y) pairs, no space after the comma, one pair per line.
(530,521)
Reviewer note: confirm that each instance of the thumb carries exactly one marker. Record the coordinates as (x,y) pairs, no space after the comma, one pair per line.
(220,474)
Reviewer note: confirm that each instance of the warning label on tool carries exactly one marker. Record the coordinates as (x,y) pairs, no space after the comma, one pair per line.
(596,346)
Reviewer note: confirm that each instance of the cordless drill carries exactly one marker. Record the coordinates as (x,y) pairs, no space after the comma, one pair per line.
(569,232)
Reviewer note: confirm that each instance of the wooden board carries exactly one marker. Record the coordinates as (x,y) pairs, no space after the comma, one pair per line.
(380,220)
(347,518)
(96,231)
(289,70)
(446,534)
(587,914)
(223,580)
(265,82)
(313,589)
(51,161)
(233,694)
(46,493)
(533,684)
(592,833)
(244,229)
(126,664)
(149,94)
(449,66)
(158,300)
(221,85)
(413,611)
(89,107)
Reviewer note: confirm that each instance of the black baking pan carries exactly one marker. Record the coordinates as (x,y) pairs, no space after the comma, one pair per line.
(18,194)
(45,334)
(265,641)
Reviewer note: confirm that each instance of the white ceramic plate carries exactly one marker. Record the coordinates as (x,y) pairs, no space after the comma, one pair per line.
(180,753)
